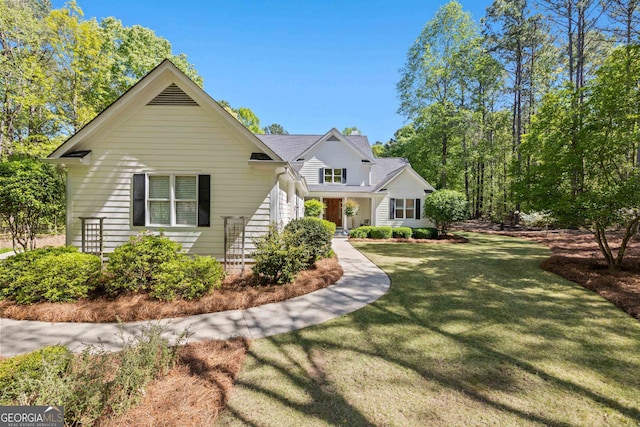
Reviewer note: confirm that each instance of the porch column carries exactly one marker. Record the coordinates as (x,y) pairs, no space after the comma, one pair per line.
(345,224)
(373,210)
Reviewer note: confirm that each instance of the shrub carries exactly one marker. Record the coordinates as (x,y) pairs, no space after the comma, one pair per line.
(187,278)
(134,265)
(537,219)
(314,208)
(358,233)
(381,232)
(445,207)
(401,232)
(425,233)
(16,371)
(49,274)
(313,233)
(279,256)
(94,384)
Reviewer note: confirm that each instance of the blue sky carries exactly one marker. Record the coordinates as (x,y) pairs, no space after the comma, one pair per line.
(307,65)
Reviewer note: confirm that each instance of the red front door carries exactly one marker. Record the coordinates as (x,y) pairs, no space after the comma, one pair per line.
(334,211)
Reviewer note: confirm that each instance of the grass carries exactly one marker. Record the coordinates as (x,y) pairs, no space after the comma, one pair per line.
(471,334)
(5,250)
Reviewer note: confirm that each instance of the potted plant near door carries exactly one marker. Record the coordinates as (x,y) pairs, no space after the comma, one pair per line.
(351,209)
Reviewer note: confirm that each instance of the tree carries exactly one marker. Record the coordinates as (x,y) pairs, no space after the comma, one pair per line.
(275,129)
(435,88)
(351,131)
(25,78)
(378,149)
(445,207)
(30,193)
(609,192)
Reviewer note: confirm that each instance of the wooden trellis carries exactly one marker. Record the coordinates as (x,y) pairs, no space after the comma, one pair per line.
(234,243)
(93,235)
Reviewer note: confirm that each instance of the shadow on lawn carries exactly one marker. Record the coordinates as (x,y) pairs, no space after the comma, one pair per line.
(503,314)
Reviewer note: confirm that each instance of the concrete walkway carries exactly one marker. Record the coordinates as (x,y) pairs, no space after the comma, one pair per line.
(362,283)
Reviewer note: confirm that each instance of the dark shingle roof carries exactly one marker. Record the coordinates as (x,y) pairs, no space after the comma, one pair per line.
(289,147)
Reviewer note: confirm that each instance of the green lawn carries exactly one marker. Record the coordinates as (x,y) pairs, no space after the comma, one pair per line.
(469,334)
(4,250)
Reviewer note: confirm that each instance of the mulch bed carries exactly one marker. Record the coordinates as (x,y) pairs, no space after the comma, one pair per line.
(236,293)
(194,392)
(577,258)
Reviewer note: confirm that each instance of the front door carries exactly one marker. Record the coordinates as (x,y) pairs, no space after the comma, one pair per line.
(334,211)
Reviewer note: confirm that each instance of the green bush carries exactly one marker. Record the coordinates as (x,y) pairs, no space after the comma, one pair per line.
(358,233)
(445,207)
(314,208)
(49,274)
(279,256)
(402,232)
(381,232)
(134,265)
(187,278)
(425,233)
(314,234)
(16,371)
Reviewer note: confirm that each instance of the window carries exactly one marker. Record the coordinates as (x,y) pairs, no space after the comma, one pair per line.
(171,200)
(404,209)
(334,175)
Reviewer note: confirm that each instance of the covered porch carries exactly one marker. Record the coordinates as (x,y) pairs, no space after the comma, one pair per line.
(335,211)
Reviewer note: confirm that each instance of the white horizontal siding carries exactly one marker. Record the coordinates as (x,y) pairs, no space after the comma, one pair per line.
(170,139)
(405,186)
(335,154)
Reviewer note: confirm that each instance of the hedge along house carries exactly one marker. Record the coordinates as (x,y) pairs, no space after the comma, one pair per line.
(166,156)
(339,167)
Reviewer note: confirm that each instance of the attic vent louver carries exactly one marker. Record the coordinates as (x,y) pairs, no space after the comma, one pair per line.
(172,95)
(333,138)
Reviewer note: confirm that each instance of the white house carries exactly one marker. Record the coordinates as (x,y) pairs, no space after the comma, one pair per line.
(338,167)
(166,156)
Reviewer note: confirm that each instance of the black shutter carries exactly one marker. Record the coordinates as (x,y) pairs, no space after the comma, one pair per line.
(344,175)
(204,200)
(139,184)
(321,177)
(418,213)
(392,208)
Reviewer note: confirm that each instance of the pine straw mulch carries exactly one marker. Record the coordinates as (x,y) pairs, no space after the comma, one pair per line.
(237,292)
(576,257)
(194,392)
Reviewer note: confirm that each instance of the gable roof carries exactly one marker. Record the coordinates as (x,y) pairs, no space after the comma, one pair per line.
(292,147)
(379,181)
(165,80)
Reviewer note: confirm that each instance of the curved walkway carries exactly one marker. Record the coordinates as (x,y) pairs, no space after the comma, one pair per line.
(362,283)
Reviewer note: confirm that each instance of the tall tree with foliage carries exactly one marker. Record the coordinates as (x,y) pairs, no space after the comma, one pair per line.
(26,123)
(609,193)
(433,87)
(31,193)
(274,129)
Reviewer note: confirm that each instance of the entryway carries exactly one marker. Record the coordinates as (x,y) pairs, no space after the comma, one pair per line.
(333,212)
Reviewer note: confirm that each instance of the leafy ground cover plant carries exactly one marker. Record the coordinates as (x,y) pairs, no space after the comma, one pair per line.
(94,384)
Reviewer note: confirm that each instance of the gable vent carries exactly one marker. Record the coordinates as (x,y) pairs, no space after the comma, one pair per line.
(172,95)
(333,138)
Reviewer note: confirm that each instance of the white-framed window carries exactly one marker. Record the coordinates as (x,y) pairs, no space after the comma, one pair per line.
(172,200)
(404,208)
(333,175)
